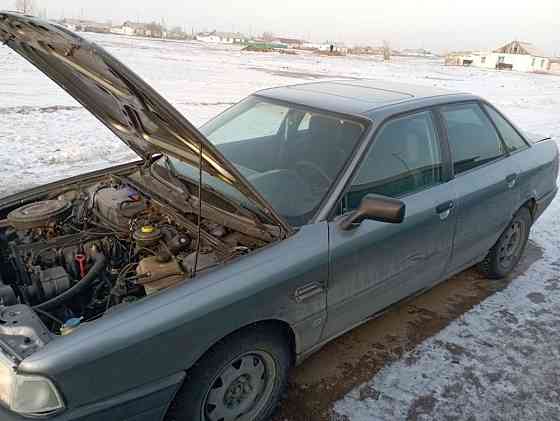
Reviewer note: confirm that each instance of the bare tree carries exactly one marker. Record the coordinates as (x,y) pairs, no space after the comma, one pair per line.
(155,30)
(386,51)
(25,6)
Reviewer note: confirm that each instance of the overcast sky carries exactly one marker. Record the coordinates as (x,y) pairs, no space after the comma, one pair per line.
(434,24)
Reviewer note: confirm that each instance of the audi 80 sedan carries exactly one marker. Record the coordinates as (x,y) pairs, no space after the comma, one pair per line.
(185,285)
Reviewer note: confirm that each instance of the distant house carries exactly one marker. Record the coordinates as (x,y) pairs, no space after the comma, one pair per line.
(311,46)
(372,51)
(86,26)
(459,58)
(151,30)
(127,28)
(216,37)
(337,48)
(554,65)
(366,50)
(516,55)
(98,28)
(289,42)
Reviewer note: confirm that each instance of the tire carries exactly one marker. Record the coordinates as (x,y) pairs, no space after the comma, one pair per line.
(508,250)
(241,378)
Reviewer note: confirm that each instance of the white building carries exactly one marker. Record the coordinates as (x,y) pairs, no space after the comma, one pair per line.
(555,65)
(221,37)
(518,56)
(150,30)
(126,29)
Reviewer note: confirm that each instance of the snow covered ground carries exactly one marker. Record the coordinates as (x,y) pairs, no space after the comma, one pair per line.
(500,361)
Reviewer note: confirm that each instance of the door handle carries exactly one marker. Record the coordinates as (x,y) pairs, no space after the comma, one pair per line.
(444,209)
(446,206)
(511,180)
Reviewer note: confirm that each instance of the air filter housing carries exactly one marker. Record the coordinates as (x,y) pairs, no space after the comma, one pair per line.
(39,214)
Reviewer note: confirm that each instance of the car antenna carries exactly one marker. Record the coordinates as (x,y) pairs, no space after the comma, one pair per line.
(199,208)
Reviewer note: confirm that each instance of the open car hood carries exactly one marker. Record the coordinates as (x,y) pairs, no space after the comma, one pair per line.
(120,99)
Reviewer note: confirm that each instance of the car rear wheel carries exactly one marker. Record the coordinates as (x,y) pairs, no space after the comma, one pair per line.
(508,250)
(241,378)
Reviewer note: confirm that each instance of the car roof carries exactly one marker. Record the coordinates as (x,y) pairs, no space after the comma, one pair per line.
(355,96)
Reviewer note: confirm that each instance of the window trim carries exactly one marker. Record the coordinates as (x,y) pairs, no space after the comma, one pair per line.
(370,140)
(479,103)
(508,121)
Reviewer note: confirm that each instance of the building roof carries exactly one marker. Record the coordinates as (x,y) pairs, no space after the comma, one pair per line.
(359,96)
(520,47)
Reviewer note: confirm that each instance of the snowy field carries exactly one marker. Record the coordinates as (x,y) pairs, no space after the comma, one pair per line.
(500,361)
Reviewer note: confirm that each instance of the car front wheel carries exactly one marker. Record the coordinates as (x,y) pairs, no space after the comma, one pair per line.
(507,252)
(241,378)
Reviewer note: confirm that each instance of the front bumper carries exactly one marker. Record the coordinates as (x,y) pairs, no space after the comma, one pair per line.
(145,403)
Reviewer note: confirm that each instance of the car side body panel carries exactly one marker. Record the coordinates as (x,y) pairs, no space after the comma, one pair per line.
(484,206)
(538,167)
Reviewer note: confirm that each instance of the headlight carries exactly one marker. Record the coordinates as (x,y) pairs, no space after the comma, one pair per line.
(27,395)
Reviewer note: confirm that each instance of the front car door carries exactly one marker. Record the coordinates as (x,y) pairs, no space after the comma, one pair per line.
(484,181)
(376,264)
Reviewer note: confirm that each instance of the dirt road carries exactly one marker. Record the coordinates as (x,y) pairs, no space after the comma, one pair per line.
(356,357)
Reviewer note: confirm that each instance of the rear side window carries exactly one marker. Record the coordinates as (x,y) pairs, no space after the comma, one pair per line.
(405,158)
(472,137)
(512,139)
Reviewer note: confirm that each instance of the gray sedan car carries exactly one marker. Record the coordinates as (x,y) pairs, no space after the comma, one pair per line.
(184,286)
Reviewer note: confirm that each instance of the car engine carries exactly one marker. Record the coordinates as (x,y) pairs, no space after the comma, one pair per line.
(75,256)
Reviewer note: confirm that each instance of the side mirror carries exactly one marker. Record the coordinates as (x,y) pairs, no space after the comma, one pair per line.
(376,208)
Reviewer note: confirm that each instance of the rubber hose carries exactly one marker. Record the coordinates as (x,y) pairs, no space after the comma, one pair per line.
(82,285)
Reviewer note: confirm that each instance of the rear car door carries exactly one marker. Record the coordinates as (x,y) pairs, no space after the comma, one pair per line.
(484,181)
(377,264)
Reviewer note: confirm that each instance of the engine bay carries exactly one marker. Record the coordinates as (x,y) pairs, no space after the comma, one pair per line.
(76,255)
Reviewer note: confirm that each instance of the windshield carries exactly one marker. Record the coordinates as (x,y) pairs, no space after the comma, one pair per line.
(289,154)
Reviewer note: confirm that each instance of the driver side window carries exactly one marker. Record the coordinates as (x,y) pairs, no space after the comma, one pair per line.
(405,158)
